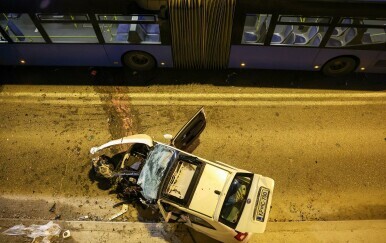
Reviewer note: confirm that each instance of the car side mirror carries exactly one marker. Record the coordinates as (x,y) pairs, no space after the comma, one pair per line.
(168,137)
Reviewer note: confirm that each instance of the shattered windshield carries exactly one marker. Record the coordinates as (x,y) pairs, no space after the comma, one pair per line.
(154,169)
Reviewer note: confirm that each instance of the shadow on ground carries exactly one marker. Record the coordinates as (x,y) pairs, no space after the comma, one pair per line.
(240,77)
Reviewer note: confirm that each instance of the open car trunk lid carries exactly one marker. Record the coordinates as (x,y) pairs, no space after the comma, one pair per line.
(256,210)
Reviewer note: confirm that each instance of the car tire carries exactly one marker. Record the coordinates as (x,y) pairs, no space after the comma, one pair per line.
(340,66)
(139,61)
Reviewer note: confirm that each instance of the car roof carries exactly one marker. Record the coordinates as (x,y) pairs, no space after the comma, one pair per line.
(196,183)
(209,190)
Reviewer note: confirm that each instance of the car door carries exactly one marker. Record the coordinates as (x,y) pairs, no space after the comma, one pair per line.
(173,214)
(206,227)
(191,131)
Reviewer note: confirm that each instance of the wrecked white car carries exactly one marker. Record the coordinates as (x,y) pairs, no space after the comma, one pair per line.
(221,201)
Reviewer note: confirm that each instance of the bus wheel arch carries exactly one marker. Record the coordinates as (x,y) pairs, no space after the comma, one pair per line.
(340,65)
(139,60)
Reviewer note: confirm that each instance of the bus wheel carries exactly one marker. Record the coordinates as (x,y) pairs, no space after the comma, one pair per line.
(139,60)
(340,66)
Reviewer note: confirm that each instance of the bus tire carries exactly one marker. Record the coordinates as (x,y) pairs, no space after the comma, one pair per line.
(139,60)
(340,66)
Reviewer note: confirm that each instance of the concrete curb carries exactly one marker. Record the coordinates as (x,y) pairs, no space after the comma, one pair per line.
(324,231)
(308,231)
(104,231)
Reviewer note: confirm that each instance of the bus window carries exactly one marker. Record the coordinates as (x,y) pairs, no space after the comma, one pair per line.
(143,18)
(374,36)
(300,31)
(282,34)
(20,27)
(299,35)
(323,20)
(60,17)
(2,39)
(353,36)
(380,22)
(134,29)
(255,28)
(349,32)
(66,29)
(339,30)
(362,21)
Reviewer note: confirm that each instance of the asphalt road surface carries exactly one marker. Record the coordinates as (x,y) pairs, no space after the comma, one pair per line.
(325,148)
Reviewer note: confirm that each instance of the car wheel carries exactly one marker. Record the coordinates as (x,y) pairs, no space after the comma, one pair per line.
(340,66)
(139,60)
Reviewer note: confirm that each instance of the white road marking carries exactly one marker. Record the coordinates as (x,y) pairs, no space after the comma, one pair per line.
(208,99)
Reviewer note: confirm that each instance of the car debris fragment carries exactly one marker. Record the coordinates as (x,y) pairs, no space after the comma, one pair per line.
(66,234)
(47,231)
(124,209)
(85,217)
(53,208)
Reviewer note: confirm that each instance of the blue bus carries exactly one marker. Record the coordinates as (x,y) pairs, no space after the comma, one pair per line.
(335,37)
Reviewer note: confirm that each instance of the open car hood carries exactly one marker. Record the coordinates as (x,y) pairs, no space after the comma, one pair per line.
(138,138)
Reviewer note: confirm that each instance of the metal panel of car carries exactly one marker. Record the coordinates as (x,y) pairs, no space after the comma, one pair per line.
(205,198)
(137,138)
(191,131)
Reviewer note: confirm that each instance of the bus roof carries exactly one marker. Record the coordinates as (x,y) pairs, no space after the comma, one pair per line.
(68,6)
(132,6)
(314,7)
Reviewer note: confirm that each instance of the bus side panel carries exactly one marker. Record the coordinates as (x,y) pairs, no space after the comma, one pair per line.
(367,58)
(63,54)
(8,55)
(162,54)
(272,57)
(379,65)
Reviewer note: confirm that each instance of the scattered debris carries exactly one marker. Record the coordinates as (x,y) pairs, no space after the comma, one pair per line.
(34,231)
(102,167)
(53,208)
(66,234)
(124,209)
(231,77)
(53,211)
(83,217)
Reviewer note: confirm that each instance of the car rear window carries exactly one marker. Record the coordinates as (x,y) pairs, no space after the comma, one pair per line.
(182,179)
(235,199)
